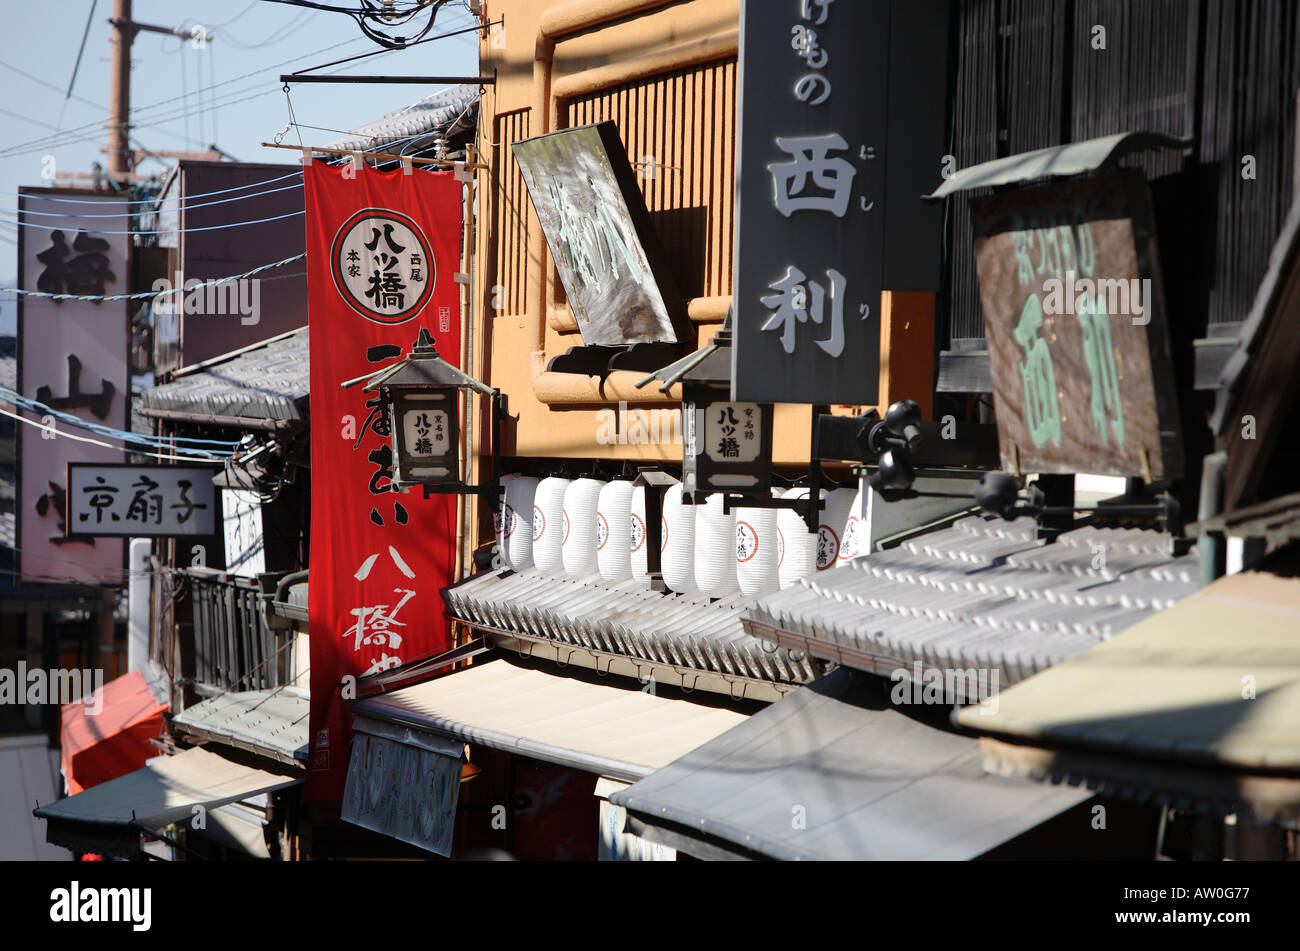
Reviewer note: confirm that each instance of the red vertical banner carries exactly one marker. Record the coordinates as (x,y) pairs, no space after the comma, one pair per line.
(383,249)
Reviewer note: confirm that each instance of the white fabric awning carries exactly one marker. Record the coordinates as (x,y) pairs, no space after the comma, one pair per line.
(621,732)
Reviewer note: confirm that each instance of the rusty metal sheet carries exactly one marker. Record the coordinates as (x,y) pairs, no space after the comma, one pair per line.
(1077,339)
(599,232)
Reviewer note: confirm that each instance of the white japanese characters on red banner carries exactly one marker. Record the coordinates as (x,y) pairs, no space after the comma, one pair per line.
(387,246)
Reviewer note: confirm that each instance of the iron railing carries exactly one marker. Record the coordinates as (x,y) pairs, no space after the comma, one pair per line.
(233,646)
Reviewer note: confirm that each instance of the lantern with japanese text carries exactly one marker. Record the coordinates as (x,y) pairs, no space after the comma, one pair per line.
(422,394)
(726,445)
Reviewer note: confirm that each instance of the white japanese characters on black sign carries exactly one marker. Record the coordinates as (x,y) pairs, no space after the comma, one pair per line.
(809,239)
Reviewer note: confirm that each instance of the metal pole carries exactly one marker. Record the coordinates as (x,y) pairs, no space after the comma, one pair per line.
(416,80)
(119,103)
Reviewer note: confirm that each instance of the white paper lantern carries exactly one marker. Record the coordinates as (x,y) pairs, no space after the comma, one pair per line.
(853,539)
(715,549)
(757,552)
(614,531)
(578,547)
(498,518)
(839,503)
(797,547)
(677,542)
(517,522)
(548,525)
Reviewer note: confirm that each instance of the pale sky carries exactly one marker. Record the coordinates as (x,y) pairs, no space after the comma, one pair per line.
(258,37)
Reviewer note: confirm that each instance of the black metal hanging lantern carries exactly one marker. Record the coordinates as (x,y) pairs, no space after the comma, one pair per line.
(421,393)
(726,445)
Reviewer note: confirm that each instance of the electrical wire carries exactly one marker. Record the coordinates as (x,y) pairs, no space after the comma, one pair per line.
(141,295)
(163,442)
(225,227)
(155,201)
(118,214)
(94,442)
(49,85)
(37,145)
(276,37)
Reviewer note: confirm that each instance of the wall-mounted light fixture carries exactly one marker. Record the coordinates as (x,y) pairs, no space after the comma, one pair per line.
(421,393)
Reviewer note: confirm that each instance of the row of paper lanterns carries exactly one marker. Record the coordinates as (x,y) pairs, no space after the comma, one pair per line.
(585,527)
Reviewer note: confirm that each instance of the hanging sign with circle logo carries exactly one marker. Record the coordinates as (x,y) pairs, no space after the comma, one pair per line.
(382,265)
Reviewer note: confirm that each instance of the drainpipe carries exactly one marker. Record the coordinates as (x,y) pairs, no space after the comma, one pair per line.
(1211,548)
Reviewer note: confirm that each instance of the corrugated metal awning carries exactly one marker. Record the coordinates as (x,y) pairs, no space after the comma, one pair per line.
(1196,707)
(981,595)
(629,620)
(1074,158)
(271,723)
(624,733)
(833,771)
(109,818)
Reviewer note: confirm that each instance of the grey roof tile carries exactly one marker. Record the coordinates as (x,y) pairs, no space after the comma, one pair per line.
(984,594)
(270,381)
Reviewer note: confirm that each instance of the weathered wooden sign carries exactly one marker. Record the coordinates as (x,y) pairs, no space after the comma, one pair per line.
(601,237)
(117,499)
(1077,339)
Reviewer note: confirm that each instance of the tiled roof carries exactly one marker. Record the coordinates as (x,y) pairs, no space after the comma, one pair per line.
(981,594)
(625,619)
(269,381)
(447,112)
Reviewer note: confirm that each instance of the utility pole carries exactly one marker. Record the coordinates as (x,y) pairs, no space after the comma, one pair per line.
(119,101)
(120,154)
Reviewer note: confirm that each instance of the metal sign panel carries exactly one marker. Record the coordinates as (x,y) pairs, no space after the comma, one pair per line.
(241,522)
(121,500)
(1078,345)
(810,200)
(73,359)
(601,238)
(402,791)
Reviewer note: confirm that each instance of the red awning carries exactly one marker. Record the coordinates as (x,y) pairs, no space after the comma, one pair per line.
(107,734)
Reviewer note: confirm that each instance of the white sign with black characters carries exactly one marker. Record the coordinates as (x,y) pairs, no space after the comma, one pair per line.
(241,522)
(137,501)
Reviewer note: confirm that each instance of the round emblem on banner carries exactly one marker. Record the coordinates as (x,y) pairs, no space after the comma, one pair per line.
(602,531)
(382,265)
(539,523)
(508,520)
(565,539)
(637,537)
(780,547)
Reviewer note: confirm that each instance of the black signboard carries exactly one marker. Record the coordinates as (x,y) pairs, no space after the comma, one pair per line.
(842,128)
(601,238)
(810,213)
